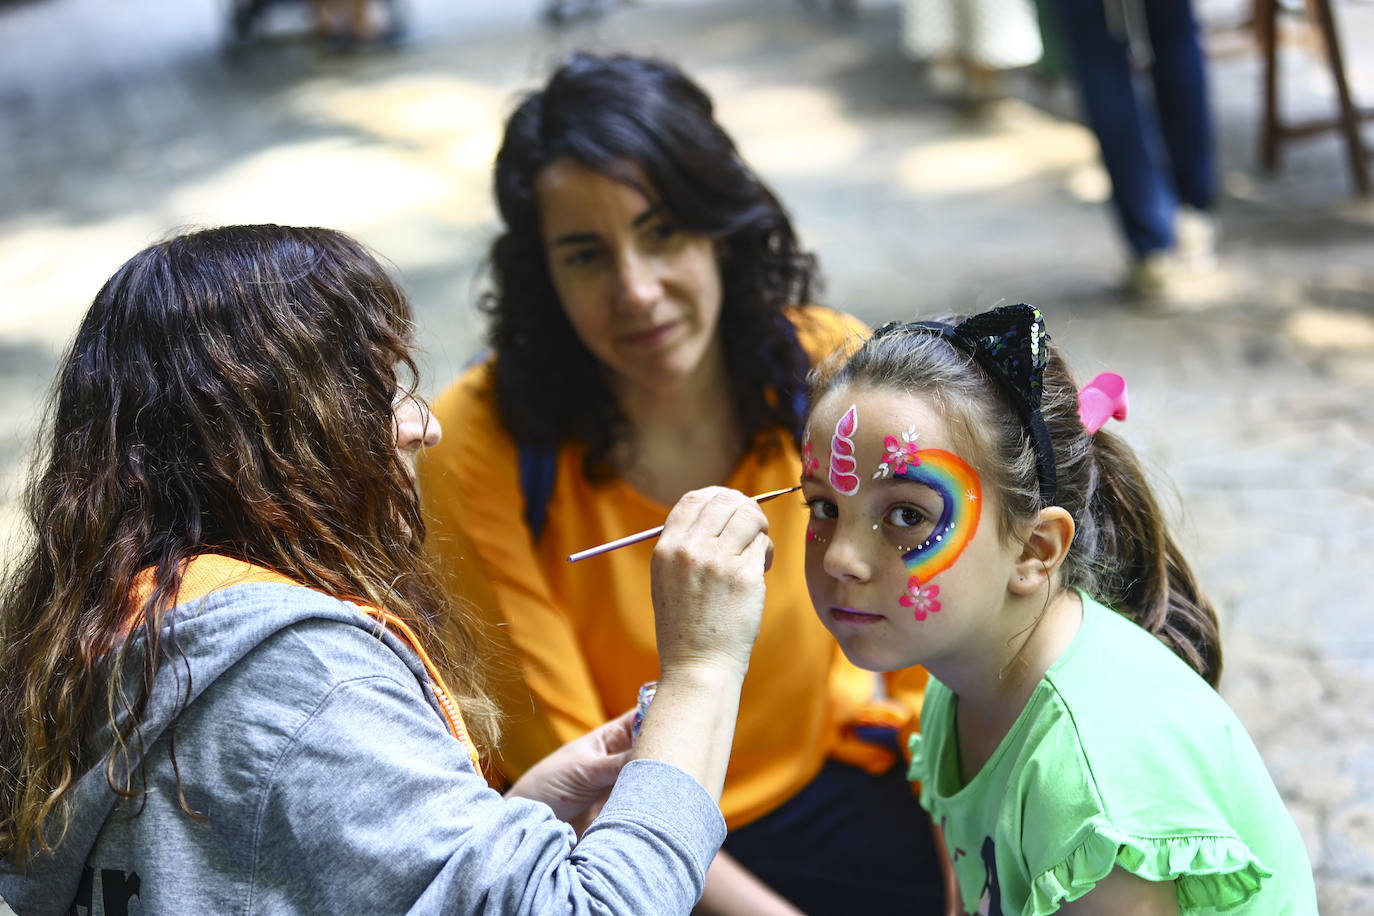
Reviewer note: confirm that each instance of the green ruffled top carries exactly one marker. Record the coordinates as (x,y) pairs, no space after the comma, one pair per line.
(1122,758)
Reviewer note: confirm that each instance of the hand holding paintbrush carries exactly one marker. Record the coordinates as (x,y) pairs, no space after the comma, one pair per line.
(708,593)
(657,530)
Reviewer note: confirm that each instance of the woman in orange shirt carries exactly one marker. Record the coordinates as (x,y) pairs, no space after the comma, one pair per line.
(650,333)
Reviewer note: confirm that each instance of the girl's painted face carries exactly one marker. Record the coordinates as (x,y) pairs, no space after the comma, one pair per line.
(903,555)
(640,293)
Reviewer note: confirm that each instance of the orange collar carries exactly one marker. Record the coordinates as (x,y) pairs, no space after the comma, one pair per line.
(212,572)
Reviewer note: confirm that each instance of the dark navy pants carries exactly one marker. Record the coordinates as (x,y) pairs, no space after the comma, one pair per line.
(847,843)
(1156,159)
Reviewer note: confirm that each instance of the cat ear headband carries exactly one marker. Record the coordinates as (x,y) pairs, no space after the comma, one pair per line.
(1008,342)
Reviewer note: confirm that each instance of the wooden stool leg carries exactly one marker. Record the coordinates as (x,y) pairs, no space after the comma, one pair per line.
(1265,13)
(1350,117)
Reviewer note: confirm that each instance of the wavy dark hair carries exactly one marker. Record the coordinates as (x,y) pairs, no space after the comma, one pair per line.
(230,391)
(1122,552)
(616,115)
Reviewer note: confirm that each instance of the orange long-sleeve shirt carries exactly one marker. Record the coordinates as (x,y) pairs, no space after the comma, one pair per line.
(581,635)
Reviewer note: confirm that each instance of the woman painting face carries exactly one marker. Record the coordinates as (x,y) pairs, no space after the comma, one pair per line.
(641,294)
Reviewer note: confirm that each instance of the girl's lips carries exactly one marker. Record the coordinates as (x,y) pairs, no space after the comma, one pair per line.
(849,615)
(651,338)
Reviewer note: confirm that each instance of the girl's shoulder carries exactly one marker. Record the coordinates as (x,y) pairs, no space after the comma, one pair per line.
(1148,688)
(1169,785)
(476,443)
(822,331)
(469,400)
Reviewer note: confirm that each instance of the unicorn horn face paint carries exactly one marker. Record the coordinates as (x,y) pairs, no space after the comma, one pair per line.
(842,463)
(893,561)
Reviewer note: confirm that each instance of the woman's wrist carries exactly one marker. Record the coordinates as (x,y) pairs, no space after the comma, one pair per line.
(692,720)
(703,673)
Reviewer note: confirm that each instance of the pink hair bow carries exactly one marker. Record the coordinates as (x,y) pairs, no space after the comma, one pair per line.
(1101,399)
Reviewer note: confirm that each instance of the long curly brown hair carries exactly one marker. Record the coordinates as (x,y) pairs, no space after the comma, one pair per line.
(229,391)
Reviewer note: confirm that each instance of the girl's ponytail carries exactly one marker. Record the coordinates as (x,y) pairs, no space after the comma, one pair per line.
(1131,561)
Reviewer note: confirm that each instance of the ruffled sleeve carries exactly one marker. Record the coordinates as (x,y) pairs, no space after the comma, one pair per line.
(1217,872)
(916,770)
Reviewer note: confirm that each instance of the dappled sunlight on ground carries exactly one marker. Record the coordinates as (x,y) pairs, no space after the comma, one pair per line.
(793,130)
(1026,146)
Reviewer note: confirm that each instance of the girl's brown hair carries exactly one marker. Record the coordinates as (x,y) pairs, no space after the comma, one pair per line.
(1122,552)
(229,391)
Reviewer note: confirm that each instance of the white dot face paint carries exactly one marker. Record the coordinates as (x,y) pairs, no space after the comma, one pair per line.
(842,463)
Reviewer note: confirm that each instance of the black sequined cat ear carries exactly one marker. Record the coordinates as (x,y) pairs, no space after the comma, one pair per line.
(1008,342)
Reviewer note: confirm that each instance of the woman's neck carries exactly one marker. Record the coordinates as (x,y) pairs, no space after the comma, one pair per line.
(991,699)
(681,435)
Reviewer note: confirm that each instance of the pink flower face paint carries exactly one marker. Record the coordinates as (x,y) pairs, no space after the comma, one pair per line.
(809,463)
(961,494)
(897,455)
(842,463)
(920,600)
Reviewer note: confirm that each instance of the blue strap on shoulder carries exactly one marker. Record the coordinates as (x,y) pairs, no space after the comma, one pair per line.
(537,467)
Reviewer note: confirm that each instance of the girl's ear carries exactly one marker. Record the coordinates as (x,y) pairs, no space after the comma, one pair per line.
(1042,551)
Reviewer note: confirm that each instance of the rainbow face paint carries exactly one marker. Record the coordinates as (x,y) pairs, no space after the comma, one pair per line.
(961,493)
(842,463)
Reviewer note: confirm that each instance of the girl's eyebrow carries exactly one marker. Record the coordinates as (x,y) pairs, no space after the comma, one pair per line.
(575,238)
(653,211)
(649,214)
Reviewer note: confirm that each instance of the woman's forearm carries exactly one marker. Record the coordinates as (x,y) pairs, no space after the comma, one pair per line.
(733,890)
(691,723)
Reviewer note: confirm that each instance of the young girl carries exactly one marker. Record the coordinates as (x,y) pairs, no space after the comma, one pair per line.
(964,518)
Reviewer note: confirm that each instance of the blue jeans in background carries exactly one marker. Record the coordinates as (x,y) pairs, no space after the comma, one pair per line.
(1156,160)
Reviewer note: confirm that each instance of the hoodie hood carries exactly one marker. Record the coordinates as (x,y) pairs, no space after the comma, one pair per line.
(225,609)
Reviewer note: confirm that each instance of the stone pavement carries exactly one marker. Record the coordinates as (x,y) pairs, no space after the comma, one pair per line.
(120,122)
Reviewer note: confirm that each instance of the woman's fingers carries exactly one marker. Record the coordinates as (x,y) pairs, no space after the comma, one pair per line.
(717,515)
(762,544)
(708,586)
(616,734)
(743,524)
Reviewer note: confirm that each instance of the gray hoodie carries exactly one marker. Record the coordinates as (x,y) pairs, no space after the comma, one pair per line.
(325,780)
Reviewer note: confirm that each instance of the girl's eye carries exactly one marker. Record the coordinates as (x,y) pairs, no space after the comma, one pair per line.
(661,232)
(580,256)
(822,509)
(906,517)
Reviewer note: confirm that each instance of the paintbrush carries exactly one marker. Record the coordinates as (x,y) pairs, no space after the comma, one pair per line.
(657,530)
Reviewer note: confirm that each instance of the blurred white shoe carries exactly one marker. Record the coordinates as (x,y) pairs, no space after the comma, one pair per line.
(1150,276)
(1165,282)
(1195,239)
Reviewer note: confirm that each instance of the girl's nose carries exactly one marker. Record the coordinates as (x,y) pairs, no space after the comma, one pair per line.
(846,558)
(416,427)
(639,285)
